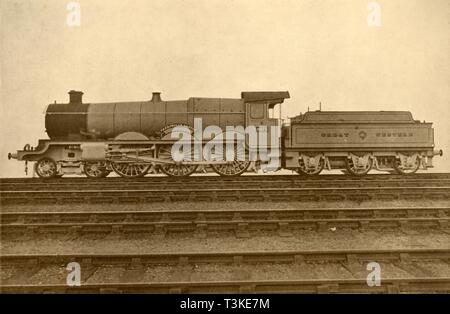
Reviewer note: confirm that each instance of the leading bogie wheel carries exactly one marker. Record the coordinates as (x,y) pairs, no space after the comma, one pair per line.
(95,170)
(46,168)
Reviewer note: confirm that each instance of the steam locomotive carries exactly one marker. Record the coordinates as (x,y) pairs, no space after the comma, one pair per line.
(136,138)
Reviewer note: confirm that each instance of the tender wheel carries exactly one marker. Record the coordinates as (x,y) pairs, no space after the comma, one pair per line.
(359,165)
(95,170)
(46,168)
(310,165)
(130,170)
(407,164)
(174,170)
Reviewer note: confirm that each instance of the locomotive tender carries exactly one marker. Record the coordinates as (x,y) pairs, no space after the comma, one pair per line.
(134,138)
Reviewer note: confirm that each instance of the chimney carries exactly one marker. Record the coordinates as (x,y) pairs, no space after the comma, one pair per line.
(156,97)
(76,97)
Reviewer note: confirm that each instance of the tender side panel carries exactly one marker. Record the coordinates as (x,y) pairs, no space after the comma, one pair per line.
(358,136)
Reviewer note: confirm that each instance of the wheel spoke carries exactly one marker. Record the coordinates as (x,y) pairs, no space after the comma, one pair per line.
(174,170)
(130,170)
(95,170)
(403,165)
(46,168)
(311,165)
(359,165)
(231,168)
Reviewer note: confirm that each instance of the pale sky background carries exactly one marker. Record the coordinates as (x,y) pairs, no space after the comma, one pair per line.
(318,50)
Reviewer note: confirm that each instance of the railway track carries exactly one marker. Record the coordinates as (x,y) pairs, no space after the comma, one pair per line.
(162,194)
(236,258)
(389,285)
(213,188)
(351,258)
(251,181)
(242,222)
(229,184)
(245,177)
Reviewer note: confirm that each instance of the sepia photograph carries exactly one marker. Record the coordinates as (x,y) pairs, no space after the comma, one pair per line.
(225,151)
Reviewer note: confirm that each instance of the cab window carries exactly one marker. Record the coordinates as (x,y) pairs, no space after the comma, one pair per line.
(257,111)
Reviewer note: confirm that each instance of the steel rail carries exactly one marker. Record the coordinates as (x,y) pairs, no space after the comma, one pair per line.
(223,194)
(242,228)
(188,190)
(256,177)
(225,184)
(220,214)
(218,182)
(236,257)
(388,285)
